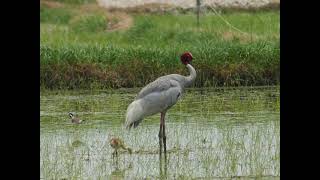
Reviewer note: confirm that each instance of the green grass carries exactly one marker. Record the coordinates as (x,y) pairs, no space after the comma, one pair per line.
(78,51)
(55,16)
(89,23)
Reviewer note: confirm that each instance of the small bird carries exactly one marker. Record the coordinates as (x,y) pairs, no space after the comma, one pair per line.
(74,119)
(159,96)
(116,144)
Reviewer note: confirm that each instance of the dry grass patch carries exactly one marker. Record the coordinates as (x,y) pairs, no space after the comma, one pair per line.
(91,8)
(241,37)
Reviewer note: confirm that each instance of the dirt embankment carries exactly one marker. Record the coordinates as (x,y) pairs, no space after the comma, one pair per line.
(161,5)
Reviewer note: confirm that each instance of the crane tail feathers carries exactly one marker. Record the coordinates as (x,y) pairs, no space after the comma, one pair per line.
(134,115)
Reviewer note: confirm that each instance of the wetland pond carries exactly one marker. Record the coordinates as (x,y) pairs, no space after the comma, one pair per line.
(219,133)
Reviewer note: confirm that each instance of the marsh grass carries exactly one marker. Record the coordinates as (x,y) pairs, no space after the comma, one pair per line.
(231,151)
(224,133)
(78,51)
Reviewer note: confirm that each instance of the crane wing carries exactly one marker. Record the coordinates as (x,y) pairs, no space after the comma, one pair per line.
(159,85)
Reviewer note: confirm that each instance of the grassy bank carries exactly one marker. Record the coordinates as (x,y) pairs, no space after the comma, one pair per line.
(84,46)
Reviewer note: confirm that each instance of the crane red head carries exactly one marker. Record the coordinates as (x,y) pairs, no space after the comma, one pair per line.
(186,58)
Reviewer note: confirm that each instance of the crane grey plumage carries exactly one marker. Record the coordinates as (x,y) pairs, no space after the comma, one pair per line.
(158,96)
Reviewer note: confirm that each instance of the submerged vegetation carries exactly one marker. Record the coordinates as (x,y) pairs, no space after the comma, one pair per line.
(85,46)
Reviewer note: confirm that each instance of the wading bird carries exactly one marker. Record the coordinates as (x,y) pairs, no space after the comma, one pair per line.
(159,96)
(116,144)
(74,119)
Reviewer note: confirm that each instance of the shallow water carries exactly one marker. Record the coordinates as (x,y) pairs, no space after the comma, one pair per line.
(211,133)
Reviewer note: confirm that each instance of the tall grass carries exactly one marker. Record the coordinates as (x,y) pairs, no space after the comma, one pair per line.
(89,23)
(54,15)
(77,49)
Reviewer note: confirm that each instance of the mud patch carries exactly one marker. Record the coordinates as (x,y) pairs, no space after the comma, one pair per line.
(119,21)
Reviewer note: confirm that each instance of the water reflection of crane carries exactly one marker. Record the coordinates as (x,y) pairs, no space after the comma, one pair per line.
(159,96)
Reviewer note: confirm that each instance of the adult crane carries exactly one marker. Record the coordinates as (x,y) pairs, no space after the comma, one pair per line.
(159,96)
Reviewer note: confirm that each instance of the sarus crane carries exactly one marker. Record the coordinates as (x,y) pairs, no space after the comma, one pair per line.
(159,96)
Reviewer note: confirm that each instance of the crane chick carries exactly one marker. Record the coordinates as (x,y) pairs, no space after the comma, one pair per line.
(116,144)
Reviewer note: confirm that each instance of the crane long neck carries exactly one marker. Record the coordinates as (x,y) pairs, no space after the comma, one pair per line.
(193,74)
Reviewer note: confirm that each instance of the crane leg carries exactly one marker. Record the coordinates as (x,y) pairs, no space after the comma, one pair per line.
(160,134)
(115,154)
(164,134)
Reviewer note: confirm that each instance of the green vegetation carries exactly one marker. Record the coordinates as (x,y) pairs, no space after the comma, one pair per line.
(84,46)
(55,16)
(89,23)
